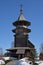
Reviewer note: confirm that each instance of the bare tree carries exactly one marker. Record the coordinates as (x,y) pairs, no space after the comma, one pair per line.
(41,48)
(12,45)
(1,51)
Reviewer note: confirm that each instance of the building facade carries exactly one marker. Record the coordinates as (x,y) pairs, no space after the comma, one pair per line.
(21,40)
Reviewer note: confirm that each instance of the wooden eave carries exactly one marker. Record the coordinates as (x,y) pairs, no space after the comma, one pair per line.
(15,48)
(27,30)
(30,44)
(22,22)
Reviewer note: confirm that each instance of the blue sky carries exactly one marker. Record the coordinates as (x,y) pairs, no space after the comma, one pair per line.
(9,12)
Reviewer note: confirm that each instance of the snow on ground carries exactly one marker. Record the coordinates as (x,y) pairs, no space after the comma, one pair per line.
(23,61)
(2,61)
(40,62)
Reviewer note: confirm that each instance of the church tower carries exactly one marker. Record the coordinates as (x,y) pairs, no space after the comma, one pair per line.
(21,42)
(21,31)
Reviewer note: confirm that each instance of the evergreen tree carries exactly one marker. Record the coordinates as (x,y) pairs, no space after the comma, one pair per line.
(33,54)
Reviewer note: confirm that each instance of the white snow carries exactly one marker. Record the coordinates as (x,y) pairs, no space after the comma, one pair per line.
(40,62)
(6,58)
(2,62)
(23,61)
(21,17)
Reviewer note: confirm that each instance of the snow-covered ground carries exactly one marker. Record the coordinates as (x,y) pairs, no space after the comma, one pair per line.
(40,63)
(2,61)
(23,61)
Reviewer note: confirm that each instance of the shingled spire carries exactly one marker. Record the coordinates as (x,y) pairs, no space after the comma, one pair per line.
(21,17)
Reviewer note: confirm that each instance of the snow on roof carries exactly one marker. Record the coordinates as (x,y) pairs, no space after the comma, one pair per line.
(9,58)
(6,58)
(21,17)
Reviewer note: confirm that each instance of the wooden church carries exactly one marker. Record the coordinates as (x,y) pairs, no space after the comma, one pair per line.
(21,40)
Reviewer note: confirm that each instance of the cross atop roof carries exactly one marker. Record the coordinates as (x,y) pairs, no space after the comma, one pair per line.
(21,17)
(21,10)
